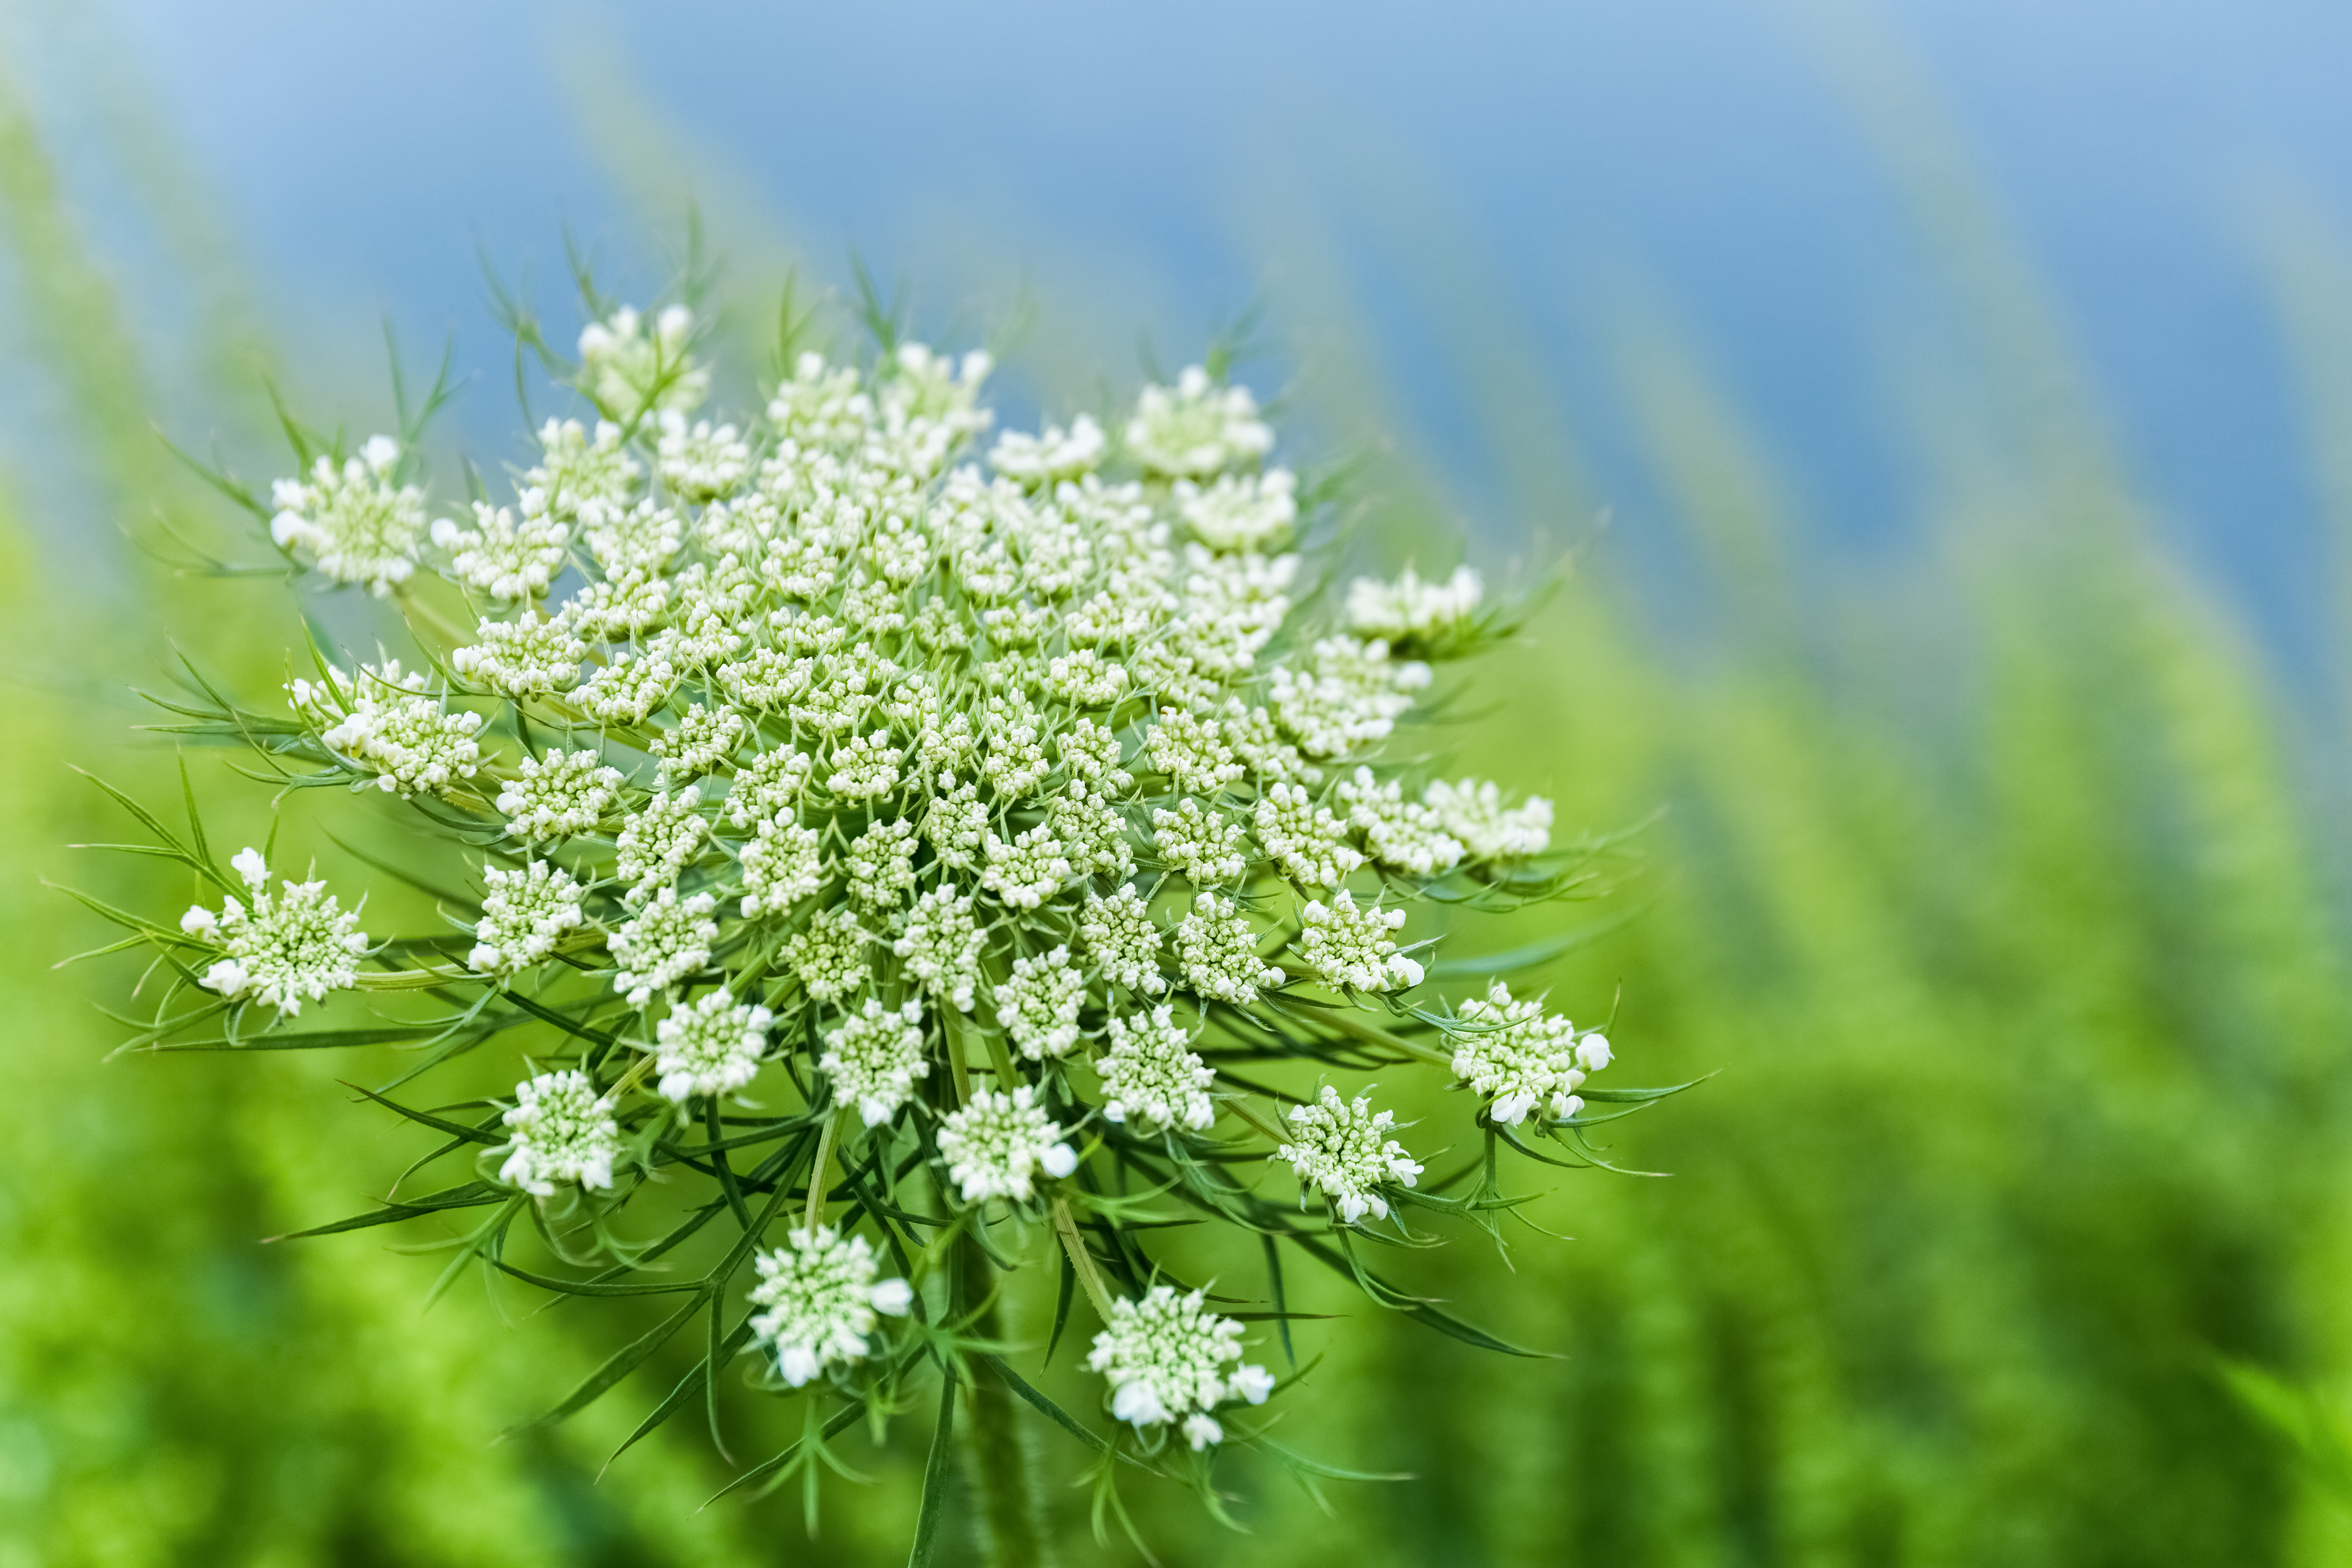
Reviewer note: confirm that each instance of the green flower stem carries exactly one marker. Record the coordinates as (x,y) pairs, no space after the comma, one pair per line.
(1009,1514)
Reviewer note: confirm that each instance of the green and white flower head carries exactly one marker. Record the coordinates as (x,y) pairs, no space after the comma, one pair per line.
(703,463)
(830,954)
(526,658)
(355,522)
(782,864)
(278,949)
(995,1145)
(711,1046)
(563,1132)
(1151,1076)
(822,405)
(658,842)
(1057,454)
(627,691)
(580,479)
(1472,811)
(874,1058)
(1205,846)
(628,371)
(1167,1358)
(1402,835)
(942,946)
(819,1301)
(704,741)
(1353,947)
(1027,871)
(1303,838)
(1197,429)
(1120,934)
(859,717)
(558,796)
(1342,1149)
(1524,1057)
(1038,1004)
(384,721)
(525,912)
(508,559)
(1413,615)
(1216,947)
(667,943)
(1241,512)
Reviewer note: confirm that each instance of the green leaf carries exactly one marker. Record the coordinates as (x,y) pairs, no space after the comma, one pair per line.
(935,1476)
(472,1195)
(1420,1308)
(154,824)
(618,1366)
(1296,1460)
(604,1287)
(1050,1411)
(455,1130)
(312,1040)
(1635,1096)
(838,1424)
(688,1387)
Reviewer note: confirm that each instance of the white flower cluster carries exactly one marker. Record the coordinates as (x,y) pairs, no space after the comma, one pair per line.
(509,560)
(1424,618)
(357,524)
(1038,1005)
(560,794)
(1352,947)
(1474,813)
(281,948)
(624,370)
(524,657)
(1521,1059)
(667,942)
(995,1144)
(1166,1359)
(875,1057)
(711,1046)
(1197,428)
(563,1132)
(1153,1077)
(383,720)
(525,913)
(819,1298)
(815,732)
(1343,1152)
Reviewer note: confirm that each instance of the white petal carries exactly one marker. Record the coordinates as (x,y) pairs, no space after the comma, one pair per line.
(1059,1160)
(895,1296)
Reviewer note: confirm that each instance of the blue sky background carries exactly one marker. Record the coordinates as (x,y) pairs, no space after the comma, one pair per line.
(1567,166)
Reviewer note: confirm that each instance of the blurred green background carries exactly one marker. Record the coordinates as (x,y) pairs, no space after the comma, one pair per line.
(2000,885)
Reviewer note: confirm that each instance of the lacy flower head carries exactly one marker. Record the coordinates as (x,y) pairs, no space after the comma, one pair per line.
(882,852)
(280,949)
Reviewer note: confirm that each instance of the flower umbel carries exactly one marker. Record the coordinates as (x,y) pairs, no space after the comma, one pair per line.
(563,1131)
(278,948)
(1166,1359)
(819,1300)
(857,815)
(995,1145)
(1343,1152)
